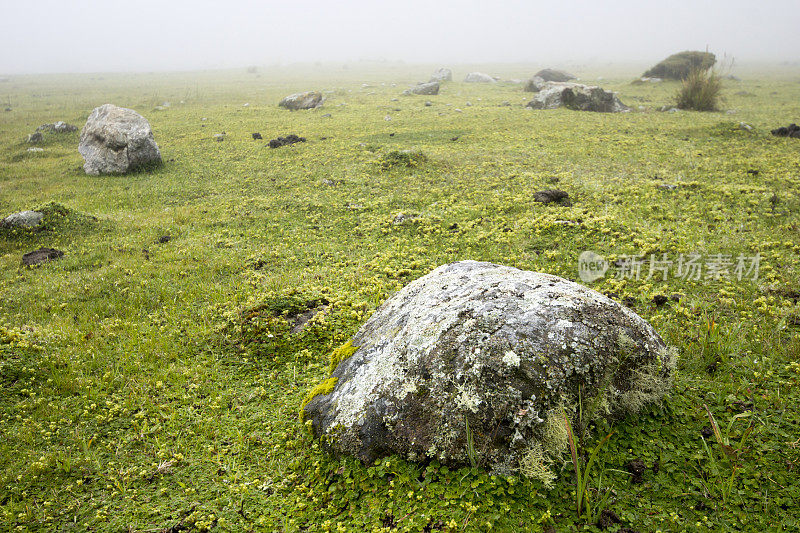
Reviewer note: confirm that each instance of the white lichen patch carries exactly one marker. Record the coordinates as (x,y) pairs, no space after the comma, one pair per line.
(511,359)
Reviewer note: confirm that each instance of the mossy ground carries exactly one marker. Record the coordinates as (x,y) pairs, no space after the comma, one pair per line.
(138,395)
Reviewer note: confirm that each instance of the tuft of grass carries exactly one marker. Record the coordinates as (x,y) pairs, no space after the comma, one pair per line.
(403,158)
(700,90)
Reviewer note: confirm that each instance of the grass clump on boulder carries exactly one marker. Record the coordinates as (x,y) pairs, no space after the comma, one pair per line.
(679,66)
(700,91)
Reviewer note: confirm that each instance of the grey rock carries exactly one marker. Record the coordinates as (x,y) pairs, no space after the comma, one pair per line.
(506,351)
(23,219)
(551,74)
(306,100)
(441,75)
(428,103)
(534,85)
(58,127)
(424,88)
(479,77)
(576,97)
(116,140)
(35,149)
(36,137)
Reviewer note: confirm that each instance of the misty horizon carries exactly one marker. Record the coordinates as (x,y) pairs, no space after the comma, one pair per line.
(91,36)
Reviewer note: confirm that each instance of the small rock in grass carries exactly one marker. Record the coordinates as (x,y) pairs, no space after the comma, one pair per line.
(34,138)
(256,136)
(42,255)
(23,219)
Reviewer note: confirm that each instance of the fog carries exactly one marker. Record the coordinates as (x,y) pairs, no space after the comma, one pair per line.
(147,35)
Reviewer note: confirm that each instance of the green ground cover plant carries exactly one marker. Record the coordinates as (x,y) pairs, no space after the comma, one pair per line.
(151,377)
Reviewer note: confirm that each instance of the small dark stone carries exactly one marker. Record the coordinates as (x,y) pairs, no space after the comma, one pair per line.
(453,226)
(706,432)
(391,135)
(637,468)
(454,138)
(753,171)
(164,239)
(256,136)
(42,255)
(659,300)
(552,196)
(8,109)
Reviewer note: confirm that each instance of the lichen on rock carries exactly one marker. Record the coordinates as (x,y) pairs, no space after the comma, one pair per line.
(503,350)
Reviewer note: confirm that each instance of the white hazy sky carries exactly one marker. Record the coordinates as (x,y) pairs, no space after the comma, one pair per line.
(148,35)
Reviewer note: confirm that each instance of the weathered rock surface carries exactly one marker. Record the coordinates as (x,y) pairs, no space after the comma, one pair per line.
(479,77)
(306,100)
(23,219)
(58,127)
(551,74)
(424,88)
(116,140)
(42,255)
(442,75)
(36,137)
(506,351)
(577,97)
(534,85)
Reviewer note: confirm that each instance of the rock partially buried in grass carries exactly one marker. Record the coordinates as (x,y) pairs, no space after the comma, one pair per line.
(504,352)
(116,140)
(478,77)
(42,255)
(23,219)
(576,97)
(793,130)
(306,100)
(58,127)
(551,74)
(423,88)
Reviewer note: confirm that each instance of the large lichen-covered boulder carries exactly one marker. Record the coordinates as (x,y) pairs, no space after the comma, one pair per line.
(678,66)
(551,74)
(306,100)
(577,97)
(478,77)
(504,352)
(116,140)
(441,75)
(430,88)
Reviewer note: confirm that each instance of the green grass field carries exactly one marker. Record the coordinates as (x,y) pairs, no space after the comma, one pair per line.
(153,384)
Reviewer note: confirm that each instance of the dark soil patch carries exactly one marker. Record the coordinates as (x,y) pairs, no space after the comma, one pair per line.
(42,255)
(607,519)
(284,141)
(552,196)
(793,130)
(637,469)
